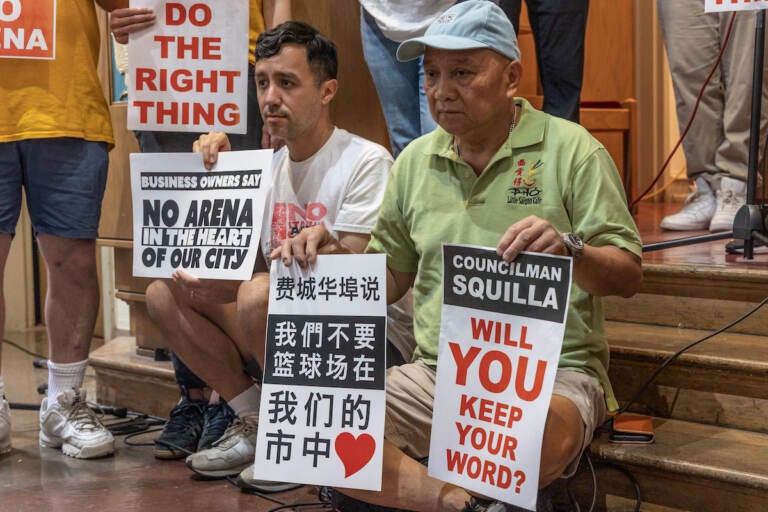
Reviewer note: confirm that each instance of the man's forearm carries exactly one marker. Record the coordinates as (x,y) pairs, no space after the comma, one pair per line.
(397,284)
(276,12)
(608,270)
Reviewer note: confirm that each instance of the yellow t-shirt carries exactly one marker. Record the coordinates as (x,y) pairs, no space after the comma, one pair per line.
(256,26)
(61,97)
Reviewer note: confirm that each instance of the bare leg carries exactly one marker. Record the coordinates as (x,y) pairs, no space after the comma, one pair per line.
(563,437)
(5,247)
(72,301)
(202,335)
(252,305)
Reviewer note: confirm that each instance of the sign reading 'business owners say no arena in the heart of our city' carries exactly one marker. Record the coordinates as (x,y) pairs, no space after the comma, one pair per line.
(206,223)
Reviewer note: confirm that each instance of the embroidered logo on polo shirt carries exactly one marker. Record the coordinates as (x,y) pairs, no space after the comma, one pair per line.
(524,190)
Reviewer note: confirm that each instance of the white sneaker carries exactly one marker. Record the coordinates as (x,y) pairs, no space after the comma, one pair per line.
(68,423)
(247,482)
(697,212)
(730,198)
(5,426)
(231,454)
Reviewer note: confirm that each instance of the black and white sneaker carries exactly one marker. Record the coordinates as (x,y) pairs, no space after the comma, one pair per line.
(181,434)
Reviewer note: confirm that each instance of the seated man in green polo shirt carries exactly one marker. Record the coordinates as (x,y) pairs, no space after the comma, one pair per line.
(463,183)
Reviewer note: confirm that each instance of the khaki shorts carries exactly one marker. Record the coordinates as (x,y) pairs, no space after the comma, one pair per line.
(411,392)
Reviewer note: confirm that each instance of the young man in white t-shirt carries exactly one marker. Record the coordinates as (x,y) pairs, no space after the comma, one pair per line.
(323,175)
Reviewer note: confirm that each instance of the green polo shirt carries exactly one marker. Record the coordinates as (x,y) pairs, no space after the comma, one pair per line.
(547,167)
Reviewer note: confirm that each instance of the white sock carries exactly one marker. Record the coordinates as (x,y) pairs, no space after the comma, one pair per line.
(2,389)
(64,376)
(247,402)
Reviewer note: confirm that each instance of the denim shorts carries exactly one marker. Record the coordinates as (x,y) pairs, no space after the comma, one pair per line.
(64,180)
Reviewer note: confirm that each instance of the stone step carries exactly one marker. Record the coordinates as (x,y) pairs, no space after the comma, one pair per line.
(129,380)
(687,312)
(697,296)
(747,281)
(722,381)
(691,466)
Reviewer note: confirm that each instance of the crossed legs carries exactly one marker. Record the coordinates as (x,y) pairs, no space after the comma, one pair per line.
(215,340)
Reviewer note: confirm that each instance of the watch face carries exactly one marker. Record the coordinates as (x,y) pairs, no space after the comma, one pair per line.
(575,240)
(574,244)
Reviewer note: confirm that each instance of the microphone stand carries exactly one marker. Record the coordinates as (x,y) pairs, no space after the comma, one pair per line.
(749,224)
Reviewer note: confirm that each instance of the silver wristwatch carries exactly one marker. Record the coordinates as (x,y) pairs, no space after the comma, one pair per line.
(574,244)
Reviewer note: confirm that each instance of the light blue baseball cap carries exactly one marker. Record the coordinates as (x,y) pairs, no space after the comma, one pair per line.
(466,26)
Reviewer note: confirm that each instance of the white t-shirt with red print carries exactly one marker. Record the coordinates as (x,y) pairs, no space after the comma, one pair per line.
(341,185)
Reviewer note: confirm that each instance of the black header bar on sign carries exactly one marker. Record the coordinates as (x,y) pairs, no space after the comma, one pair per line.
(223,180)
(326,351)
(532,286)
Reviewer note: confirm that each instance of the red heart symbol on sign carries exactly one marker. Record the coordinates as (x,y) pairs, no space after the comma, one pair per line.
(354,453)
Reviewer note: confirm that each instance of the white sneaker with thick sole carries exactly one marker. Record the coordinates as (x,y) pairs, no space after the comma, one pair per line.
(231,454)
(5,426)
(247,482)
(67,422)
(730,198)
(697,212)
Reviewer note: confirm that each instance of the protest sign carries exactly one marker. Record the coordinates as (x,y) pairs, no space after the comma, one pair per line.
(205,223)
(734,5)
(28,29)
(321,420)
(500,338)
(189,71)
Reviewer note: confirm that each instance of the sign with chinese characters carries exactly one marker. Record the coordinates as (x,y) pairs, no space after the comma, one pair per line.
(207,223)
(500,338)
(734,5)
(321,420)
(28,29)
(189,71)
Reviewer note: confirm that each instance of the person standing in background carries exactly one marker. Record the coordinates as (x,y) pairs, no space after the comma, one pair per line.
(716,147)
(559,28)
(384,24)
(55,135)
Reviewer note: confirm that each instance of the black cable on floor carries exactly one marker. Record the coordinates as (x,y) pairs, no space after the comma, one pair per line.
(653,377)
(633,481)
(233,481)
(301,505)
(26,351)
